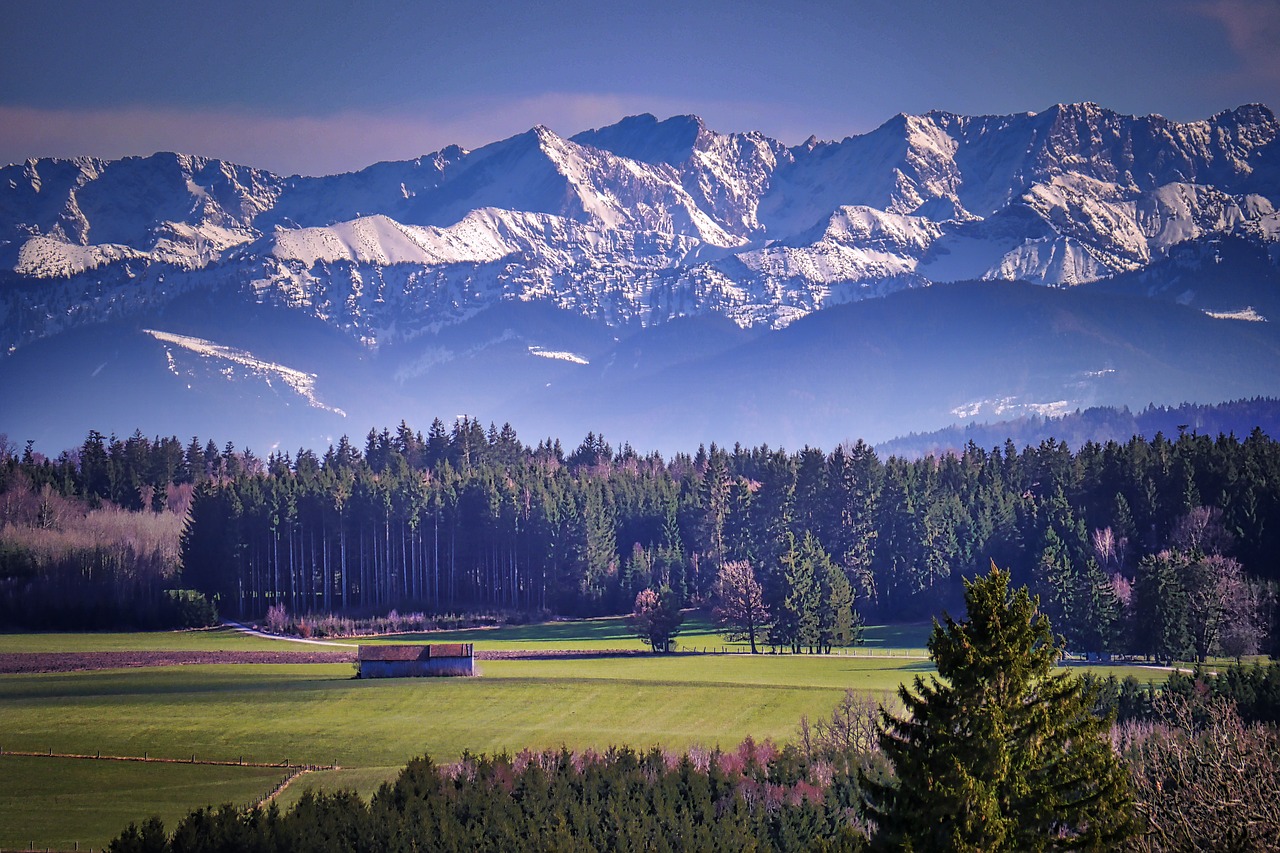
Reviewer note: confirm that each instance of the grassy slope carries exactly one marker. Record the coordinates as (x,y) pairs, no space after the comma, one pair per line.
(59,803)
(320,714)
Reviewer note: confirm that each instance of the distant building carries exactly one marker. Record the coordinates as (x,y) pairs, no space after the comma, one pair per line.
(408,661)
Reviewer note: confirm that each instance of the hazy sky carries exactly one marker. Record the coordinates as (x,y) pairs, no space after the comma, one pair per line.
(333,85)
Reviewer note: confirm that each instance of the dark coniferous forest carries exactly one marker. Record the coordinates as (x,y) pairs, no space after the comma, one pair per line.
(1163,546)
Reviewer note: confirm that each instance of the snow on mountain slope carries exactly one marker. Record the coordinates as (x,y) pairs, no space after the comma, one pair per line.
(47,257)
(167,208)
(228,360)
(381,281)
(897,167)
(388,188)
(638,222)
(381,241)
(855,245)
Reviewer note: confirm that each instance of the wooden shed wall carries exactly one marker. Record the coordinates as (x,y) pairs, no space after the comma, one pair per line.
(417,668)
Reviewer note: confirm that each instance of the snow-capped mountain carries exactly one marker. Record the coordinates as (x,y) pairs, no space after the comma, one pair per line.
(653,257)
(639,222)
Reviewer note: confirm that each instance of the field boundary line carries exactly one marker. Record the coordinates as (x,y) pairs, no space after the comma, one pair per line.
(146,759)
(287,781)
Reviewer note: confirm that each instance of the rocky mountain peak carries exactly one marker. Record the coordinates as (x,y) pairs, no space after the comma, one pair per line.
(643,220)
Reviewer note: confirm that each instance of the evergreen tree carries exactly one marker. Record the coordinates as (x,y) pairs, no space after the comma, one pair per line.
(1002,753)
(803,603)
(1160,609)
(854,478)
(1057,586)
(840,623)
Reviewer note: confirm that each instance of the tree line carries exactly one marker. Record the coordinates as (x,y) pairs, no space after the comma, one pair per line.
(1161,546)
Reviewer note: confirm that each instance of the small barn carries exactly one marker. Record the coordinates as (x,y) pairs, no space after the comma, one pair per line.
(440,659)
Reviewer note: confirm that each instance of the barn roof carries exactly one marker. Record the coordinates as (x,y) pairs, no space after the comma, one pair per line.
(393,653)
(400,653)
(449,650)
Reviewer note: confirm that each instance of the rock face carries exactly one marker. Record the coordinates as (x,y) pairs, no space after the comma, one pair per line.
(637,223)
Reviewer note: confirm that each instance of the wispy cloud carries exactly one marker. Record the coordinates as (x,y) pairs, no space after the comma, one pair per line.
(347,140)
(1252,28)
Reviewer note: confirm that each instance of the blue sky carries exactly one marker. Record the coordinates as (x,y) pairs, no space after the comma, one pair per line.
(333,85)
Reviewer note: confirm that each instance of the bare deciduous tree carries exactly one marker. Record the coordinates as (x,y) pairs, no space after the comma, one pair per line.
(1204,784)
(851,729)
(1201,531)
(656,618)
(1215,586)
(740,609)
(1109,549)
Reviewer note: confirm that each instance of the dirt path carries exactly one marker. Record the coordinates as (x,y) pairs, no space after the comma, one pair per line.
(254,632)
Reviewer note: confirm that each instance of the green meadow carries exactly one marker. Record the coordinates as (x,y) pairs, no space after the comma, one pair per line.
(63,803)
(607,633)
(612,633)
(320,714)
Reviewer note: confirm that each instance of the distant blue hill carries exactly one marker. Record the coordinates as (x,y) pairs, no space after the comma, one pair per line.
(1099,424)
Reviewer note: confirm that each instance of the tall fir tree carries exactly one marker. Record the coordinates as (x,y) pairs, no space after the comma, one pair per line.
(1000,753)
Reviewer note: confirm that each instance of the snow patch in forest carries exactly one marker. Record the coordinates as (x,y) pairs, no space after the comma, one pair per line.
(1009,406)
(1248,313)
(302,383)
(558,355)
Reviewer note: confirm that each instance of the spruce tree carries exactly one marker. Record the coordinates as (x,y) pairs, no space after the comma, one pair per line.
(1001,752)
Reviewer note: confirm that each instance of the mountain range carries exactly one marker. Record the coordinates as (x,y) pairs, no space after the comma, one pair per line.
(654,280)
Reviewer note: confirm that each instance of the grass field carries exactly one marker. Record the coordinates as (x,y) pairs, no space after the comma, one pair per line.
(697,634)
(317,713)
(59,803)
(581,635)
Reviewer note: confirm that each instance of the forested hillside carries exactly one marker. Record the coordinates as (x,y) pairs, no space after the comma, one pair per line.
(1098,424)
(1161,546)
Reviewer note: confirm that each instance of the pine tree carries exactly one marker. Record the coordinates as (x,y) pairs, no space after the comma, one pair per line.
(1161,610)
(1002,753)
(1057,585)
(840,623)
(804,595)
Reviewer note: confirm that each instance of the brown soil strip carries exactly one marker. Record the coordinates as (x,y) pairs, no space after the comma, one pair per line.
(13,662)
